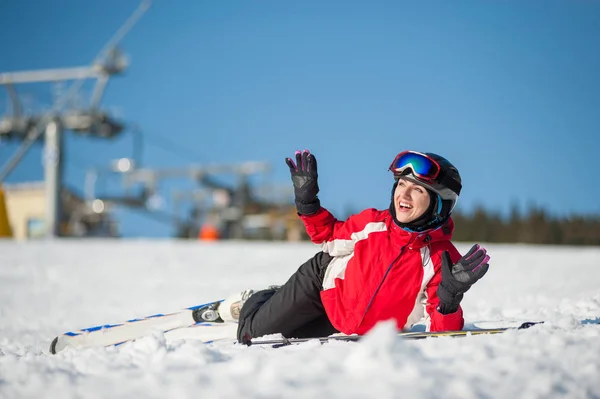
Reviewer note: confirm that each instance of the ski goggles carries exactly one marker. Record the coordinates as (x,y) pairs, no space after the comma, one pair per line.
(422,166)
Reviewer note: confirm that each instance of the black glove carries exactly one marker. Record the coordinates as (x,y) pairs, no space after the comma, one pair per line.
(458,278)
(304,177)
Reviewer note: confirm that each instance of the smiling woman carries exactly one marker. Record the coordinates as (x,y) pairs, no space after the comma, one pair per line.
(397,263)
(411,202)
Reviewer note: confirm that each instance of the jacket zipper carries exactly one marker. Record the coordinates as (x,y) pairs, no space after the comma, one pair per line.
(381,283)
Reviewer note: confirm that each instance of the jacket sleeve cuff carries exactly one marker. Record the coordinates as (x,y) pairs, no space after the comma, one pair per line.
(447,322)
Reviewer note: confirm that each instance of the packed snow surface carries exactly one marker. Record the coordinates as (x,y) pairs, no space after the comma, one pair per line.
(50,287)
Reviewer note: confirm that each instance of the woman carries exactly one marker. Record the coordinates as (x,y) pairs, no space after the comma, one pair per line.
(377,265)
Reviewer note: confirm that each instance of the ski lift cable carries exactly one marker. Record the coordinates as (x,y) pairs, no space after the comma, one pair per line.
(171,146)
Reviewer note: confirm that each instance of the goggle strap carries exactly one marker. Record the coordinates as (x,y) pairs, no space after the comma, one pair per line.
(449,182)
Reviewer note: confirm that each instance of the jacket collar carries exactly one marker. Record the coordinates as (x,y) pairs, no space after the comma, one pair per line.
(422,238)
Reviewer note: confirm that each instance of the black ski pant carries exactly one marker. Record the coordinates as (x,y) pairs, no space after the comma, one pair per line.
(294,310)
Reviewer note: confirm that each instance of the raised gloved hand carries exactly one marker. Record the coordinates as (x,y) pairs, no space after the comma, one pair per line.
(458,278)
(304,177)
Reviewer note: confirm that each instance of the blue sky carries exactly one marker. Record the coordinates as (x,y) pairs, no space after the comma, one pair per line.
(508,91)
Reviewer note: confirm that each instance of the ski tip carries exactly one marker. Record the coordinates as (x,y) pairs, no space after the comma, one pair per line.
(528,324)
(53,346)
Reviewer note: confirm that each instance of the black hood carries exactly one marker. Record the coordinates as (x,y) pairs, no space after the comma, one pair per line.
(424,221)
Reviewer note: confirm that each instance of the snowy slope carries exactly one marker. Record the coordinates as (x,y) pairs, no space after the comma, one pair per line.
(47,288)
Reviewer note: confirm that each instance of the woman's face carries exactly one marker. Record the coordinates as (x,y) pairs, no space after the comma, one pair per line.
(410,201)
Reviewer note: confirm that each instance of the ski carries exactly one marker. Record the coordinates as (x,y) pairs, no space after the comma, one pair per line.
(115,334)
(276,343)
(202,322)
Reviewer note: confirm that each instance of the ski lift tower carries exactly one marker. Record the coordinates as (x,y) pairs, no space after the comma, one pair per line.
(89,121)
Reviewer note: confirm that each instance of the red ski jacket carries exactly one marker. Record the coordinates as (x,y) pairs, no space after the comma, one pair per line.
(380,271)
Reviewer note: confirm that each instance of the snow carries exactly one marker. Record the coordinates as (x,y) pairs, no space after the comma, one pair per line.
(50,287)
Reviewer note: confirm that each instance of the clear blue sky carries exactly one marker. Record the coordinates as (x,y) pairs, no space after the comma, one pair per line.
(508,91)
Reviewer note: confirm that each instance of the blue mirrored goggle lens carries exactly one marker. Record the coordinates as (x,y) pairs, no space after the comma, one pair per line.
(420,165)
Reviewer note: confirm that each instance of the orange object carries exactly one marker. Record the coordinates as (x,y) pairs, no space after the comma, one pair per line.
(208,232)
